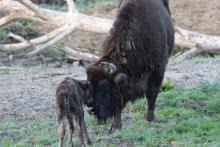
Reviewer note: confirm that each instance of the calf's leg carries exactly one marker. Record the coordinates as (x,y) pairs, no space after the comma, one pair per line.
(153,88)
(83,135)
(70,129)
(61,129)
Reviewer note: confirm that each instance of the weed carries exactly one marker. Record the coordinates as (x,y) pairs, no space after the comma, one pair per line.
(167,85)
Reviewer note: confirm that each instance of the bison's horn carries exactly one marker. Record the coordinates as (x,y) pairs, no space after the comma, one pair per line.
(111,68)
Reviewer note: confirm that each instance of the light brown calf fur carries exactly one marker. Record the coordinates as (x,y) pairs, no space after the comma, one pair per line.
(71,95)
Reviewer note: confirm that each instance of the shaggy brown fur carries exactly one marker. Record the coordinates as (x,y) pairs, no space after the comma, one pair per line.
(70,96)
(139,44)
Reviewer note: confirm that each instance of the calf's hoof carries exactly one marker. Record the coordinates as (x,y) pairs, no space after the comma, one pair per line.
(70,144)
(89,142)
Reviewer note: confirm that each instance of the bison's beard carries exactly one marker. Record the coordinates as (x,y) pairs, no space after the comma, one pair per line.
(105,103)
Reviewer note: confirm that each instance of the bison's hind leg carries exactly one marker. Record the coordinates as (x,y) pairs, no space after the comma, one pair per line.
(61,129)
(116,124)
(153,88)
(70,129)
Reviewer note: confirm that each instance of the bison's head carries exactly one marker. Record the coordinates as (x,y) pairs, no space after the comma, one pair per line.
(105,81)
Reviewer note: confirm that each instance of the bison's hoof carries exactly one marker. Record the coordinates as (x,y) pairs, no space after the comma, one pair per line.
(150,116)
(114,128)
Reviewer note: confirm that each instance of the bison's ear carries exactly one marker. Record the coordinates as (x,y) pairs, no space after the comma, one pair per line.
(120,78)
(109,68)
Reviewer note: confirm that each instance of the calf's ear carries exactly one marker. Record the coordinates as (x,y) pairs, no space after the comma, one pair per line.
(84,62)
(85,84)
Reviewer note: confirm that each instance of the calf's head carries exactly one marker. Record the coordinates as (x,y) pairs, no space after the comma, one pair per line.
(87,91)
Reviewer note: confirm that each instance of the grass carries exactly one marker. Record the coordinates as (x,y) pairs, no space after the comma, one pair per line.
(3,34)
(6,29)
(80,5)
(25,21)
(52,6)
(186,116)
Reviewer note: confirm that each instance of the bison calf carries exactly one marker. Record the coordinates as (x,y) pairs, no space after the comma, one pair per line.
(71,95)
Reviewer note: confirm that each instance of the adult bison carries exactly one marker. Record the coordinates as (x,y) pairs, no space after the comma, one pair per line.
(138,48)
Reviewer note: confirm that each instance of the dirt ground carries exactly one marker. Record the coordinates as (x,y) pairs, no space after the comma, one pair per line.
(29,92)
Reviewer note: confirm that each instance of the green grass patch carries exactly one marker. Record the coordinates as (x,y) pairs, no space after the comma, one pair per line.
(186,116)
(79,4)
(3,34)
(52,6)
(28,133)
(83,5)
(25,21)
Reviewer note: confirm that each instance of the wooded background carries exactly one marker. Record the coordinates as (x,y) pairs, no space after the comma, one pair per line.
(53,26)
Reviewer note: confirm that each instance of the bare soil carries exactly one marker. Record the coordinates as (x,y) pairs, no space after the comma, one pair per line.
(30,92)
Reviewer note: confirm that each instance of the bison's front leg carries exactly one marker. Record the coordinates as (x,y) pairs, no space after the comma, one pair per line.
(153,88)
(116,124)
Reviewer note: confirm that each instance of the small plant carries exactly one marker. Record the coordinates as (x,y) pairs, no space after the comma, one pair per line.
(177,50)
(167,85)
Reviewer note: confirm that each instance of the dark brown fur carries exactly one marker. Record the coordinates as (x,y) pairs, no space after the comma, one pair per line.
(71,95)
(139,44)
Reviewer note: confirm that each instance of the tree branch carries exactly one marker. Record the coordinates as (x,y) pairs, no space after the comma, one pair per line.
(71,6)
(56,39)
(199,43)
(40,40)
(7,19)
(16,37)
(36,9)
(76,54)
